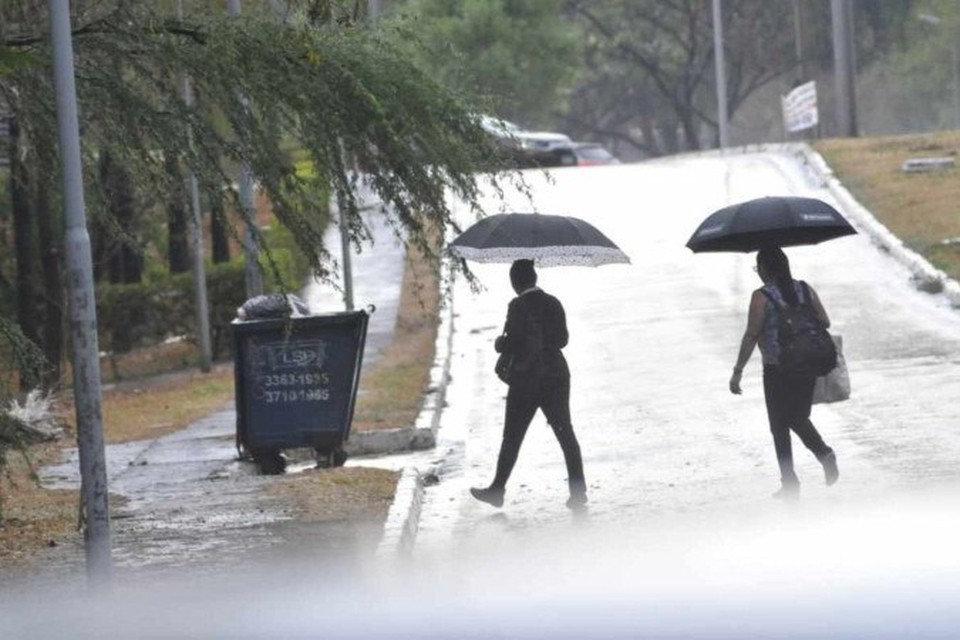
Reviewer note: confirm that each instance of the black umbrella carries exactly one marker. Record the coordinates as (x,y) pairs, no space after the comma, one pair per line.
(779,221)
(548,240)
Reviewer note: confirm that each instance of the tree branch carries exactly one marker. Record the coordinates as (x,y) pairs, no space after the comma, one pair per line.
(105,26)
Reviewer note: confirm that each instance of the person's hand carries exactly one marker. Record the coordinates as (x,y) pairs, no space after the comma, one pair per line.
(735,382)
(498,344)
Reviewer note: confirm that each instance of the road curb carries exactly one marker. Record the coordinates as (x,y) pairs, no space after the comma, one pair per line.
(403,519)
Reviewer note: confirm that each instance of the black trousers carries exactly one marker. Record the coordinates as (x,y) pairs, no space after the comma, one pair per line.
(553,398)
(789,399)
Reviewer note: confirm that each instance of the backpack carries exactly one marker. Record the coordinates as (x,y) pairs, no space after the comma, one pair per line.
(806,348)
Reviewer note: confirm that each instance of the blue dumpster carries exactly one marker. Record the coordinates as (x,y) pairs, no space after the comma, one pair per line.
(296,384)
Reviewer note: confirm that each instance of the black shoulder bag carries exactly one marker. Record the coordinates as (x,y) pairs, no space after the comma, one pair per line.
(503,366)
(508,360)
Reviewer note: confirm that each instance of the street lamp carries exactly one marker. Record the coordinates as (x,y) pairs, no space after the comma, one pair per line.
(936,21)
(841,17)
(83,311)
(721,74)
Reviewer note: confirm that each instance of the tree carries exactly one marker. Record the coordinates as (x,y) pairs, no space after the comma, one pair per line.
(915,85)
(881,26)
(218,229)
(336,90)
(178,245)
(655,60)
(123,260)
(519,56)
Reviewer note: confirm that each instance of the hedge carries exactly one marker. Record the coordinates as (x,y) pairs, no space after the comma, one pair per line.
(130,316)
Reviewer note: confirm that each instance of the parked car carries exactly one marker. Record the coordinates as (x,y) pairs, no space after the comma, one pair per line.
(522,142)
(577,154)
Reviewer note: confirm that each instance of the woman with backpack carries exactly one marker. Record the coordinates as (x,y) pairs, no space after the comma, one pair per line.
(788,394)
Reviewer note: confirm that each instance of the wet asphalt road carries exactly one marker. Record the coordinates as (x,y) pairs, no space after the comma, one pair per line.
(651,349)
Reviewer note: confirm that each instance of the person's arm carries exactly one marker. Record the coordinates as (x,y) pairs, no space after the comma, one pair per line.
(758,309)
(818,307)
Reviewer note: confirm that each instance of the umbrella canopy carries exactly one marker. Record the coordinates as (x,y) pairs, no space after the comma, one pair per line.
(769,222)
(548,240)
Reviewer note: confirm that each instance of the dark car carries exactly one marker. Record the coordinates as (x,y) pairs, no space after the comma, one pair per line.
(579,154)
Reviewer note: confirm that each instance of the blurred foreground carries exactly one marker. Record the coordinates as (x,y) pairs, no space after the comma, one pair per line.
(889,569)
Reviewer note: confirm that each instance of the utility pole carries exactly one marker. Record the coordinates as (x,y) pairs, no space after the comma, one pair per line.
(719,59)
(844,67)
(83,310)
(346,260)
(798,40)
(373,10)
(254,278)
(196,238)
(936,21)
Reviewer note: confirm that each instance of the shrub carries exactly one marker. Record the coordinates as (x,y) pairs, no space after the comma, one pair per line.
(138,315)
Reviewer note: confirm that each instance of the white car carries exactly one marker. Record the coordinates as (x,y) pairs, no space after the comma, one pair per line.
(518,137)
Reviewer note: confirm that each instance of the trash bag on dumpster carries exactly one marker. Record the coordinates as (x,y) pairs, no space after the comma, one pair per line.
(272,305)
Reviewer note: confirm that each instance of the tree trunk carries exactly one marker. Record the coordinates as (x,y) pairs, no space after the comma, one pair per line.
(24,247)
(649,132)
(53,299)
(178,250)
(691,134)
(218,228)
(124,263)
(669,135)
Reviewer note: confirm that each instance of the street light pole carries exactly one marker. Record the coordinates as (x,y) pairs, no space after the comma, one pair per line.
(346,260)
(956,80)
(798,39)
(844,67)
(929,18)
(198,269)
(254,278)
(83,310)
(721,74)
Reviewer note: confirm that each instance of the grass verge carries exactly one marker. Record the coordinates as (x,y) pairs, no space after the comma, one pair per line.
(922,209)
(344,493)
(391,390)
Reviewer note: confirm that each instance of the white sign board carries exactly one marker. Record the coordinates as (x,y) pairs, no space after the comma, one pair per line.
(800,108)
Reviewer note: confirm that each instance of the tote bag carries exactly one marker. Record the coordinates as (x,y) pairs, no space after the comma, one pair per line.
(835,385)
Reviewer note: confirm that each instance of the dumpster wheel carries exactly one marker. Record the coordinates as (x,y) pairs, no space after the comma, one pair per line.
(330,459)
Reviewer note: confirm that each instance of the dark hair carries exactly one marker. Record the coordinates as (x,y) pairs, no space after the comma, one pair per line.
(774,261)
(522,275)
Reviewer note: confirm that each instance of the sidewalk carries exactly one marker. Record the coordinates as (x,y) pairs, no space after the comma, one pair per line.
(377,278)
(189,502)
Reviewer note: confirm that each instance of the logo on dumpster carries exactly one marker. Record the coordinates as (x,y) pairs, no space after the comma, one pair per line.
(285,356)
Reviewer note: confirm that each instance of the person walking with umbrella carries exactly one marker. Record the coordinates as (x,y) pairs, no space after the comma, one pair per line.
(788,396)
(535,330)
(538,378)
(765,225)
